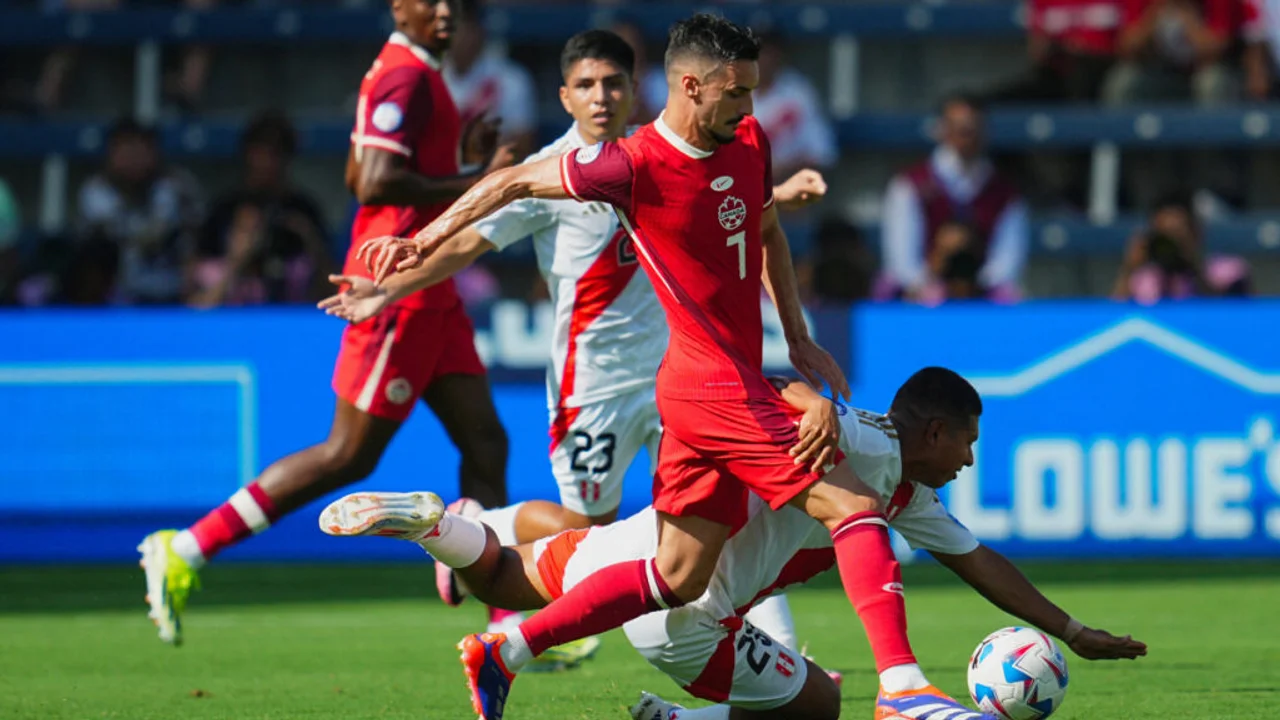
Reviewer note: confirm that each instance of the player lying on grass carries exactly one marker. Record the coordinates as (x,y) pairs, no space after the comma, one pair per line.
(705,646)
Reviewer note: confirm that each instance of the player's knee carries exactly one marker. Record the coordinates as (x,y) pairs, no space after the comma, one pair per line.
(687,578)
(830,504)
(348,462)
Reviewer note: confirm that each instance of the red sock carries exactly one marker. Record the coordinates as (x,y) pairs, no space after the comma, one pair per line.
(873,581)
(603,601)
(248,512)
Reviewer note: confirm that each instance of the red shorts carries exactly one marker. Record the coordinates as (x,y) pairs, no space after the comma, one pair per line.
(386,363)
(713,452)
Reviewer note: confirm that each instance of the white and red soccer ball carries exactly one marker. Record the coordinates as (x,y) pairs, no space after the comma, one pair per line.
(1018,673)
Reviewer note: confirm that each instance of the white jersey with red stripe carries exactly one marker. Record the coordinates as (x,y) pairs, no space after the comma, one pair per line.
(610,332)
(779,548)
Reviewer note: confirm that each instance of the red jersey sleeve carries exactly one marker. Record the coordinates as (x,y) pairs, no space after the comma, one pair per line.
(395,112)
(604,172)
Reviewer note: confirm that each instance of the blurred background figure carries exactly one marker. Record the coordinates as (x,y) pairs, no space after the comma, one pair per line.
(264,241)
(484,81)
(1166,261)
(952,223)
(138,216)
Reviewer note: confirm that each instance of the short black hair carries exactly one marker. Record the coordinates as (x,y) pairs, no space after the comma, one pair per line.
(711,37)
(936,393)
(962,98)
(270,128)
(129,127)
(598,45)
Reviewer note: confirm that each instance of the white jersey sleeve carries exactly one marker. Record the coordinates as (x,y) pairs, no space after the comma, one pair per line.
(517,221)
(926,525)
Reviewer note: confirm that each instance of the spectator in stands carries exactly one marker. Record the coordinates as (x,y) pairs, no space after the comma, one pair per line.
(845,264)
(1071,45)
(141,212)
(1262,52)
(483,81)
(651,95)
(801,136)
(1165,261)
(1175,50)
(952,223)
(264,242)
(10,254)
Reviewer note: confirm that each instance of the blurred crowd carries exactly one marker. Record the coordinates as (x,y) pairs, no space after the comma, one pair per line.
(954,225)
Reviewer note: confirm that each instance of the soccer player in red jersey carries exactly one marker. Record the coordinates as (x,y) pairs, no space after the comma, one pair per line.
(694,191)
(403,167)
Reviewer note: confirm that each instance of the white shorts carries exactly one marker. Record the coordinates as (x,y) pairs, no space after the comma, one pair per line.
(744,668)
(602,439)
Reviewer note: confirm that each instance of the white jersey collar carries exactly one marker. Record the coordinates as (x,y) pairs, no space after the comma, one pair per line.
(678,142)
(431,61)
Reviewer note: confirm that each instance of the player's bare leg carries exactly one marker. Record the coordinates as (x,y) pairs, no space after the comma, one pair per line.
(464,405)
(819,699)
(172,559)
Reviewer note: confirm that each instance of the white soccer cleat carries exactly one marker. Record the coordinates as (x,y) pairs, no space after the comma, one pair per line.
(406,516)
(652,707)
(170,581)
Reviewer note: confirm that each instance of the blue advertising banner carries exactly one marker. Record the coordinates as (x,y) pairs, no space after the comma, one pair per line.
(1108,430)
(113,423)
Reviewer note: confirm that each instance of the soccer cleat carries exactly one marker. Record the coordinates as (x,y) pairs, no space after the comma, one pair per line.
(487,676)
(406,516)
(448,584)
(927,703)
(652,707)
(565,657)
(170,581)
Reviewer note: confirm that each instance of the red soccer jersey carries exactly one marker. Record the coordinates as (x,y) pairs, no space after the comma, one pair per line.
(694,217)
(406,109)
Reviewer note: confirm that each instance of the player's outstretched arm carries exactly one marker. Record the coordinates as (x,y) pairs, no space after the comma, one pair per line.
(804,188)
(815,364)
(498,189)
(361,299)
(1000,581)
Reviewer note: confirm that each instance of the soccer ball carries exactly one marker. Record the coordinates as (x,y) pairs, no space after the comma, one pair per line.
(1018,673)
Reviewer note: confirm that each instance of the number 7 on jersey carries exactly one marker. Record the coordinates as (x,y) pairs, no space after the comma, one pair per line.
(740,239)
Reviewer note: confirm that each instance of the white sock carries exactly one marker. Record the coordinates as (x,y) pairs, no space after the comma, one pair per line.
(515,651)
(185,546)
(503,522)
(714,712)
(900,678)
(459,543)
(773,615)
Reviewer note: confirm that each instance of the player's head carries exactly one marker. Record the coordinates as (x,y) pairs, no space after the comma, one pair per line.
(711,63)
(428,23)
(960,125)
(936,412)
(469,37)
(599,83)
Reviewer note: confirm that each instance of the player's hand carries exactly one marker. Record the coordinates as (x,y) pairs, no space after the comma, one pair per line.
(387,255)
(503,157)
(818,367)
(1093,644)
(819,436)
(804,188)
(479,140)
(360,301)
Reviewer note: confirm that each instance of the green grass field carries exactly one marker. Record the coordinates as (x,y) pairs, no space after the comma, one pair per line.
(355,642)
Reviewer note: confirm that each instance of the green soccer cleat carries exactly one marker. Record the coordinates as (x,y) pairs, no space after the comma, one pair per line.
(170,581)
(565,657)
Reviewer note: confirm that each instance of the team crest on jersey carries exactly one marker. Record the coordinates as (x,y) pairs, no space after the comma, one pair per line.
(732,212)
(722,183)
(387,117)
(588,154)
(399,391)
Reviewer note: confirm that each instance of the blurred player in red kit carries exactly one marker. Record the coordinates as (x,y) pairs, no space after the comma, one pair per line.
(403,167)
(694,191)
